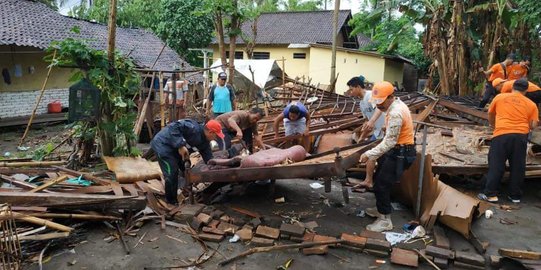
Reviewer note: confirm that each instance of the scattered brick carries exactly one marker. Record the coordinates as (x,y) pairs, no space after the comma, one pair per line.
(225,218)
(404,257)
(323,238)
(372,234)
(245,235)
(441,263)
(437,252)
(267,232)
(208,209)
(214,223)
(213,230)
(248,227)
(228,228)
(353,240)
(296,239)
(290,229)
(196,223)
(272,221)
(188,211)
(470,258)
(308,237)
(262,242)
(311,225)
(376,244)
(211,237)
(206,219)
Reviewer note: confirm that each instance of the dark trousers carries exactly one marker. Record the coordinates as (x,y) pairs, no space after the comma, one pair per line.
(247,137)
(170,164)
(534,96)
(390,168)
(490,93)
(505,147)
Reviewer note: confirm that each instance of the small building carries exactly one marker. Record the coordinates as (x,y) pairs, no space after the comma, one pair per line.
(304,40)
(28,27)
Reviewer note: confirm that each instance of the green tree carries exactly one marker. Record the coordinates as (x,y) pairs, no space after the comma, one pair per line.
(182,27)
(300,5)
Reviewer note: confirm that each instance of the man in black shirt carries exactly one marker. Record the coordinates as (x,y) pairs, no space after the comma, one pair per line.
(173,144)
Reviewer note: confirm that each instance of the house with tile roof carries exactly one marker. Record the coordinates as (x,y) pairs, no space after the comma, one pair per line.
(304,40)
(26,30)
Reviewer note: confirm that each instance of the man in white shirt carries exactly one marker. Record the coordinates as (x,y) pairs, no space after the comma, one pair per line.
(375,121)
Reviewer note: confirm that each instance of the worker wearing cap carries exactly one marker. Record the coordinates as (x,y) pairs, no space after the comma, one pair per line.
(173,145)
(221,97)
(519,70)
(374,124)
(513,116)
(533,92)
(498,70)
(394,154)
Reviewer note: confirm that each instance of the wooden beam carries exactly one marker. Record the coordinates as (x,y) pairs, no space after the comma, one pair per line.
(77,201)
(41,222)
(464,109)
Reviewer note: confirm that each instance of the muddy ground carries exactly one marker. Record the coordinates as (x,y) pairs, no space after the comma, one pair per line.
(302,202)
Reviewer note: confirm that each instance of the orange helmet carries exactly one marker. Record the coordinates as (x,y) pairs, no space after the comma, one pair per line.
(381,91)
(497,82)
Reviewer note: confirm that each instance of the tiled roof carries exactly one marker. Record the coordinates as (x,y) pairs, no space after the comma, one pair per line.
(304,27)
(29,23)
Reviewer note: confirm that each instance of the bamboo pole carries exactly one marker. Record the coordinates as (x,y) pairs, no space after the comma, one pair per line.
(50,183)
(162,103)
(37,101)
(41,222)
(141,118)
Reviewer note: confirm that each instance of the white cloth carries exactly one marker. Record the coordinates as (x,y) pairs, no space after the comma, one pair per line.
(294,127)
(368,109)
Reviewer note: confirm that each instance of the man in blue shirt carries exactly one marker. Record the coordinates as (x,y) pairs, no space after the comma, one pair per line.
(375,121)
(221,97)
(296,120)
(173,144)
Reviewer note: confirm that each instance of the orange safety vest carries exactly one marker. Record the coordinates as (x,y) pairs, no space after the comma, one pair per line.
(406,131)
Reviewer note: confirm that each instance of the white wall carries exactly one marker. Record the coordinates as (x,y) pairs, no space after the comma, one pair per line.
(22,103)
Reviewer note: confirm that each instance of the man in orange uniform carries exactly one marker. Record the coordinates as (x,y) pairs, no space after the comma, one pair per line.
(519,70)
(498,70)
(513,116)
(394,154)
(506,86)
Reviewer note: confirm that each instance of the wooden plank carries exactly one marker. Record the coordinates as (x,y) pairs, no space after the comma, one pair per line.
(520,254)
(50,183)
(441,239)
(78,201)
(41,222)
(117,189)
(463,109)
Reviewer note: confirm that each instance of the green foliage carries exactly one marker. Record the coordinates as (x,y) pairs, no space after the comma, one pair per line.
(130,13)
(299,5)
(391,35)
(117,89)
(182,27)
(43,151)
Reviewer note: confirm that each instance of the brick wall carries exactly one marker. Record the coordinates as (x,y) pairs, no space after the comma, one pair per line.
(22,103)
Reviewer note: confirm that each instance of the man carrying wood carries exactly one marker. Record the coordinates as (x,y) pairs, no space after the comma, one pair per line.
(513,116)
(506,86)
(394,154)
(241,125)
(375,120)
(498,70)
(221,97)
(172,146)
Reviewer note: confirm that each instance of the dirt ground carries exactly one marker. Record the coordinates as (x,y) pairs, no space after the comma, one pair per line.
(302,202)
